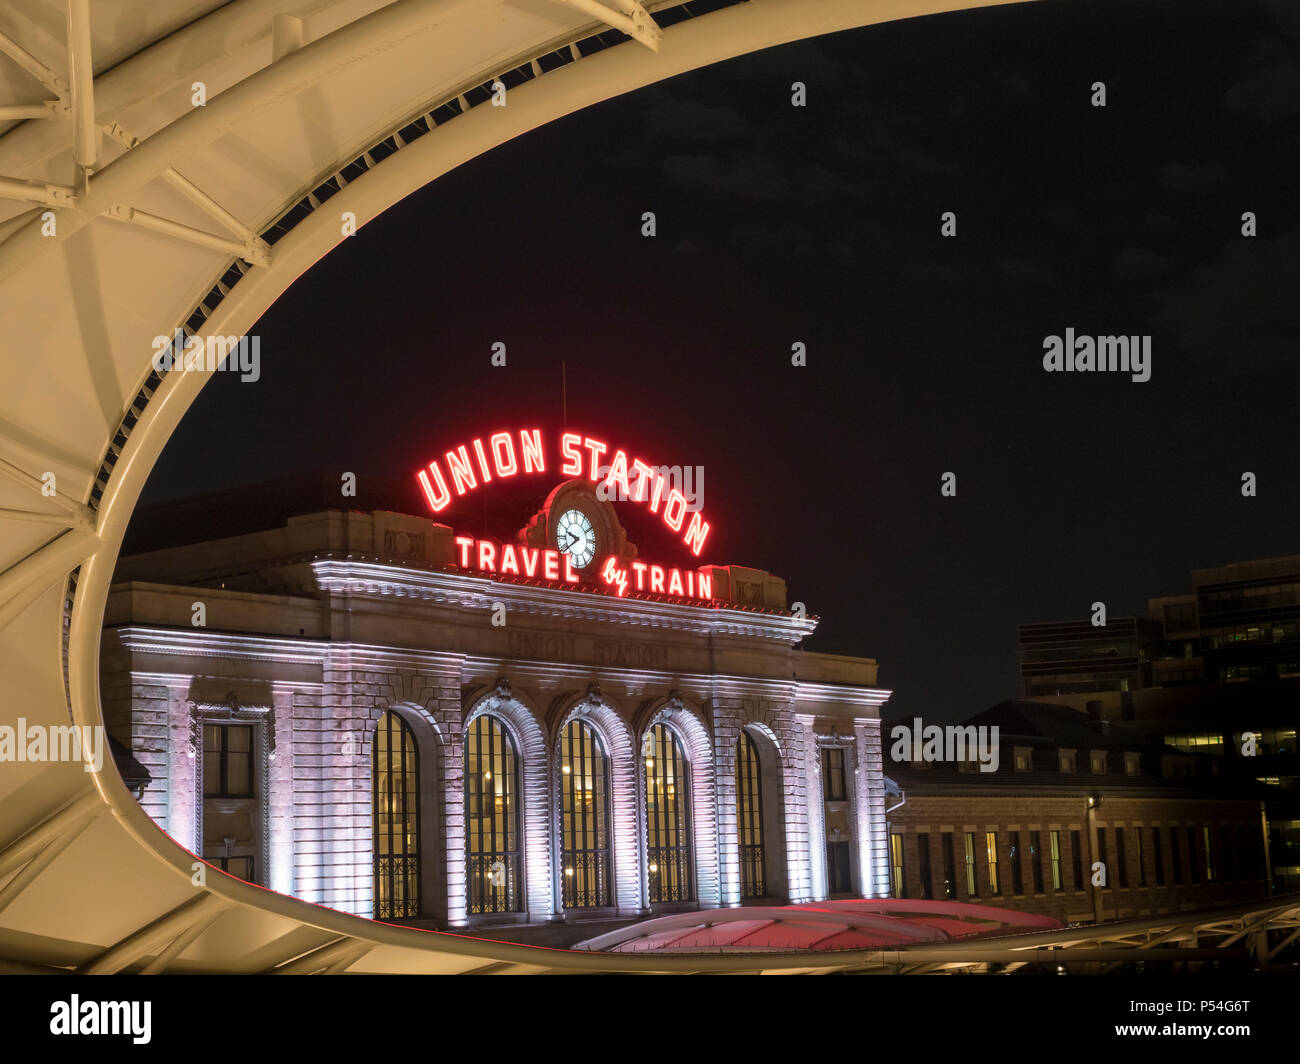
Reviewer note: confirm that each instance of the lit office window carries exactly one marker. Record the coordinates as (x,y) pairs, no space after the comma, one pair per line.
(584,818)
(395,805)
(667,814)
(1098,762)
(1055,839)
(491,818)
(897,877)
(1209,855)
(991,852)
(749,818)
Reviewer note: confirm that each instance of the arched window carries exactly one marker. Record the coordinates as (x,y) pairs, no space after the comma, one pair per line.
(395,800)
(584,815)
(491,818)
(667,817)
(749,818)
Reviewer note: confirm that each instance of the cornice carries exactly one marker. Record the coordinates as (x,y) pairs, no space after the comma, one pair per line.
(376,580)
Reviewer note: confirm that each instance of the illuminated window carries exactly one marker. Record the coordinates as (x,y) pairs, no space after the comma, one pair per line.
(491,818)
(749,818)
(395,804)
(898,881)
(584,818)
(668,821)
(991,851)
(230,804)
(228,761)
(1054,839)
(1132,764)
(1097,761)
(972,882)
(833,774)
(1209,855)
(1067,761)
(1024,760)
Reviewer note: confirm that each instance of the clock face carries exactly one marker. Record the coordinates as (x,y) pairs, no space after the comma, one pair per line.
(575,537)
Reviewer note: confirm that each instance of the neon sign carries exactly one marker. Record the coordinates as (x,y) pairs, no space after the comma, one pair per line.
(546,563)
(505,455)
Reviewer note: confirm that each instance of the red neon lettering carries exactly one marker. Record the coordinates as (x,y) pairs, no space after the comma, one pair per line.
(671,519)
(658,493)
(482,461)
(530,442)
(487,556)
(704,585)
(657,578)
(439,498)
(569,574)
(597,449)
(618,474)
(464,543)
(639,568)
(530,564)
(675,583)
(551,565)
(462,476)
(643,475)
(509,563)
(572,466)
(696,532)
(690,583)
(507,465)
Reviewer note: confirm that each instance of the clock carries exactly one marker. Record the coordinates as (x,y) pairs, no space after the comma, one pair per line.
(575,537)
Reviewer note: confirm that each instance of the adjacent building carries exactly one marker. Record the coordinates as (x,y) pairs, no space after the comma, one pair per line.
(1083,820)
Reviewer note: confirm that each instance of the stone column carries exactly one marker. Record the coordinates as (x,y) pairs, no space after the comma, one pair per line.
(869,794)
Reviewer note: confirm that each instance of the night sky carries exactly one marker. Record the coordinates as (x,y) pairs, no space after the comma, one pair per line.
(821,224)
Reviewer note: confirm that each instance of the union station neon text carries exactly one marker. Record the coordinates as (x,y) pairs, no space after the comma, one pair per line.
(635,479)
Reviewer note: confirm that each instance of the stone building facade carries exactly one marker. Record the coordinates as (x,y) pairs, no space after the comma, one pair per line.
(343,710)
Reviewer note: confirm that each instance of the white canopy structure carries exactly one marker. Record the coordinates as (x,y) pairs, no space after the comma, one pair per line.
(172,164)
